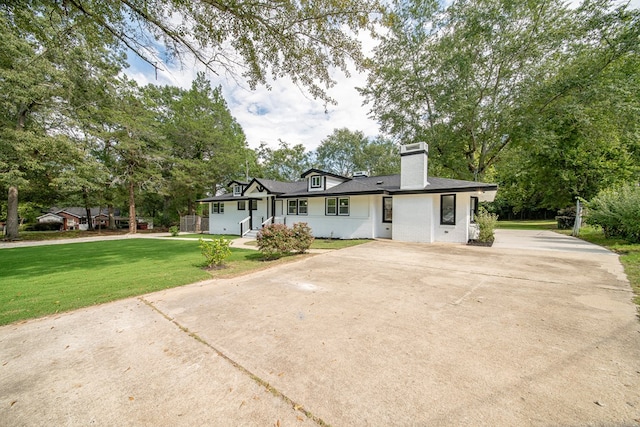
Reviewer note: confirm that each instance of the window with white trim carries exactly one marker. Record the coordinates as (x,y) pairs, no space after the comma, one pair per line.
(217,208)
(237,190)
(303,206)
(292,207)
(316,181)
(448,209)
(331,206)
(343,206)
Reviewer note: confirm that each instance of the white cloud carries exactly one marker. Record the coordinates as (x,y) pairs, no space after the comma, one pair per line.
(284,112)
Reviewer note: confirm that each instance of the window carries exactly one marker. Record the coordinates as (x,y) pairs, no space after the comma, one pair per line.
(253,205)
(473,210)
(292,207)
(343,206)
(242,205)
(217,208)
(448,209)
(237,190)
(387,209)
(316,181)
(331,206)
(302,207)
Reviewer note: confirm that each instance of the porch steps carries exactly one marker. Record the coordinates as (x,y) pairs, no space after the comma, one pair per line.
(253,235)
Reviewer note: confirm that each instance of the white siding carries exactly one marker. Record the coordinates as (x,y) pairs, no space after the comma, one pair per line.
(413,218)
(228,222)
(458,233)
(357,225)
(381,229)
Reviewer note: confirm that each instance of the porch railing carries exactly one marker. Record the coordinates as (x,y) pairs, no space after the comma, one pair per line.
(267,222)
(244,226)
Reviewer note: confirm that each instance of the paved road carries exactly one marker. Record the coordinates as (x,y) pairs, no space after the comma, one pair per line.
(383,334)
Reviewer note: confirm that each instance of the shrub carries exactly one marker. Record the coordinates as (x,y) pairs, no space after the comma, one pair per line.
(44,226)
(486,225)
(302,237)
(617,211)
(275,240)
(174,230)
(215,251)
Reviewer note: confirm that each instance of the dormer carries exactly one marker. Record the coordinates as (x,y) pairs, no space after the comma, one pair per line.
(237,188)
(318,180)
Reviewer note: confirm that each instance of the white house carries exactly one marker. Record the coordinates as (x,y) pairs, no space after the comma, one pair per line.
(410,207)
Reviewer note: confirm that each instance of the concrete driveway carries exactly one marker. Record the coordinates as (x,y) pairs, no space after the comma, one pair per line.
(381,334)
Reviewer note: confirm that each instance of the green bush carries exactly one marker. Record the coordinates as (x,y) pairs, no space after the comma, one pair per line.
(617,211)
(44,226)
(275,240)
(174,230)
(486,225)
(302,237)
(215,251)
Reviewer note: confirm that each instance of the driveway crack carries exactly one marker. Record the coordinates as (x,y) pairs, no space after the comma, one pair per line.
(255,378)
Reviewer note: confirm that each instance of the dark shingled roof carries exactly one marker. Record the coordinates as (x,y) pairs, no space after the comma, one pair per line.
(387,184)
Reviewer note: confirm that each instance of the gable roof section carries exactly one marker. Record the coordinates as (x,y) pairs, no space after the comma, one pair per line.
(323,173)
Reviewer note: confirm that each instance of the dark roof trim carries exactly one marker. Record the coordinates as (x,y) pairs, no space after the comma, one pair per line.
(226,198)
(411,153)
(321,172)
(237,182)
(488,187)
(310,195)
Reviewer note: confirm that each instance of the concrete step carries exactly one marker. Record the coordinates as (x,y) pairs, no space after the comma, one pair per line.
(253,234)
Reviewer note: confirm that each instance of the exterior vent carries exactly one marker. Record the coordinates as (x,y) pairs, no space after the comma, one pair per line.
(360,174)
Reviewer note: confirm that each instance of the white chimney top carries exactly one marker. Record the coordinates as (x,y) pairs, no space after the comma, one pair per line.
(413,166)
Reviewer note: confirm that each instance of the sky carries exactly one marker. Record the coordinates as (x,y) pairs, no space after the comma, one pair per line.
(285,112)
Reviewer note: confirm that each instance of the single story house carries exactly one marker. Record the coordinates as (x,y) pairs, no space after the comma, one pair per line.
(75,218)
(410,207)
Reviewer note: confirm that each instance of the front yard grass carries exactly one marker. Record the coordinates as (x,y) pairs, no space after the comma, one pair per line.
(43,280)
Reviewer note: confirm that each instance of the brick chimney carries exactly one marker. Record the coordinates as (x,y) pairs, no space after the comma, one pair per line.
(413,166)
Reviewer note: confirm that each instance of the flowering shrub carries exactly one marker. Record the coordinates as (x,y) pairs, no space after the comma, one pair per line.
(302,237)
(486,225)
(276,240)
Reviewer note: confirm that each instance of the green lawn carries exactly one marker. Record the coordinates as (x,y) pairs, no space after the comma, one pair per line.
(208,236)
(546,224)
(40,280)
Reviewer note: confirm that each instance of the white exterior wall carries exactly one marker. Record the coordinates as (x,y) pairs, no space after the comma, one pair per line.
(381,229)
(458,233)
(357,225)
(228,222)
(413,166)
(413,218)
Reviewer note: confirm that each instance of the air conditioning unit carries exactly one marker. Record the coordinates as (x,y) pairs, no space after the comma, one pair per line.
(360,174)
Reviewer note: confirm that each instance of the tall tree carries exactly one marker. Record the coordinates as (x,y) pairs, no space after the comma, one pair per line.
(461,77)
(285,163)
(345,152)
(34,85)
(207,145)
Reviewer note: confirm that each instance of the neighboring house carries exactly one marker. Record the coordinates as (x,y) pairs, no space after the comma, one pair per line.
(75,218)
(410,207)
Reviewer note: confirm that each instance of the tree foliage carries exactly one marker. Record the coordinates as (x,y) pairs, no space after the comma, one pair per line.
(471,78)
(285,163)
(345,152)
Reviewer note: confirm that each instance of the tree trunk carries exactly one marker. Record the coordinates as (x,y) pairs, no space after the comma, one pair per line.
(132,209)
(112,218)
(85,198)
(11,230)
